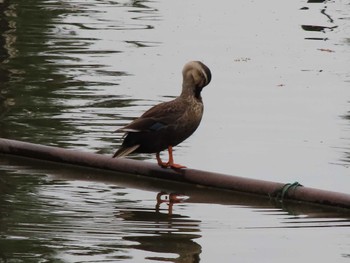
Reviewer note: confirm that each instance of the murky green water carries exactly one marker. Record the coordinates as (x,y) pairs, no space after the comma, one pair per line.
(277,108)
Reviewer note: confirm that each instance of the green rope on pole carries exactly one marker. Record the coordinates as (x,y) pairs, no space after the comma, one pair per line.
(286,188)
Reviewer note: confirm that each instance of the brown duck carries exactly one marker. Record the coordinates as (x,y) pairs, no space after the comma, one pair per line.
(169,123)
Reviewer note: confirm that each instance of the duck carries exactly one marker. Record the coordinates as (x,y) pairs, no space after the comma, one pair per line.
(167,124)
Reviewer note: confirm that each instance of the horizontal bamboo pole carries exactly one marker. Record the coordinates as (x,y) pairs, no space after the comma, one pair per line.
(191,176)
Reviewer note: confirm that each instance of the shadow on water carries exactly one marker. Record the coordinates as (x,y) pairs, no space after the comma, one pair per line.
(44,214)
(347,152)
(31,78)
(54,91)
(67,212)
(319,32)
(319,28)
(4,27)
(47,94)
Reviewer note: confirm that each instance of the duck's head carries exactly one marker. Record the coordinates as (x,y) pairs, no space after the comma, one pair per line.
(196,76)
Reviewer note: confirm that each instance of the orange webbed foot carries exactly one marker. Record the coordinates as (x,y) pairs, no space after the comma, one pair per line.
(176,166)
(170,163)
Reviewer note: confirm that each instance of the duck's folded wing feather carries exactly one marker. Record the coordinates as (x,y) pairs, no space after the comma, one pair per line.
(156,118)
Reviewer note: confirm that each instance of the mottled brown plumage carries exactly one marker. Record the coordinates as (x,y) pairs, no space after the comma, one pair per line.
(169,123)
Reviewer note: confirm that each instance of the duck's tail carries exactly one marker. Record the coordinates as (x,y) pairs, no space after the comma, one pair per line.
(124,151)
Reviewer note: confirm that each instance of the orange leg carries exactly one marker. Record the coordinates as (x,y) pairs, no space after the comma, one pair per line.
(160,162)
(170,163)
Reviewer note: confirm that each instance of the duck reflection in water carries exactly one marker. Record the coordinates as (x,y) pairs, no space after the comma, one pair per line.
(166,237)
(169,123)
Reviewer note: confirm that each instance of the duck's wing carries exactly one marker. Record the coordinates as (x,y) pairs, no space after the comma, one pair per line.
(156,118)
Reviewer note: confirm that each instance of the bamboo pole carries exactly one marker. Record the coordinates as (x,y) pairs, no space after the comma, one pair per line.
(191,176)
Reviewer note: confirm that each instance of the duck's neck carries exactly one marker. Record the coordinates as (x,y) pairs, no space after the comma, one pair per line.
(189,91)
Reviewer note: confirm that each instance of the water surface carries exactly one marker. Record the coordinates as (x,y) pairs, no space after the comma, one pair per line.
(67,214)
(72,72)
